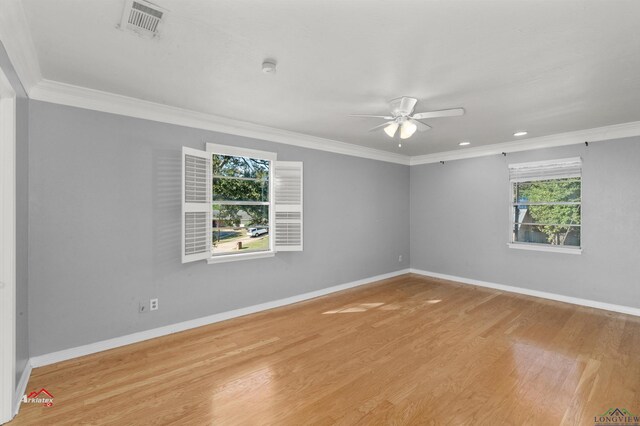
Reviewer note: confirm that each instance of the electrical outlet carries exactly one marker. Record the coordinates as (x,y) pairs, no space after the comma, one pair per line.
(400,258)
(153,304)
(143,307)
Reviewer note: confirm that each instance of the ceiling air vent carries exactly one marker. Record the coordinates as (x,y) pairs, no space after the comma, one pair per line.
(141,17)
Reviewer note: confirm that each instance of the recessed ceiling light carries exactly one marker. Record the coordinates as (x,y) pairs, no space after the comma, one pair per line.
(465,143)
(520,133)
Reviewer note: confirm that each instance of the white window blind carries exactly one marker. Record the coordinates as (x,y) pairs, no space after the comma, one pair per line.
(288,206)
(196,205)
(546,170)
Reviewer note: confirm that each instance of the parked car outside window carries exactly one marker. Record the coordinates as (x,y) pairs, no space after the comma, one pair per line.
(256,232)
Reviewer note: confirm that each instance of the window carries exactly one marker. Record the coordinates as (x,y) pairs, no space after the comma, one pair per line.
(241,194)
(546,205)
(239,204)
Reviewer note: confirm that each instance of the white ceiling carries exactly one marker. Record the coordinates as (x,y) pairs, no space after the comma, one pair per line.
(544,66)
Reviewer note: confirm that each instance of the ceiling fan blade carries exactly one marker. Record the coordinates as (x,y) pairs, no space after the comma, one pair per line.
(386,117)
(385,124)
(442,113)
(407,104)
(421,126)
(402,106)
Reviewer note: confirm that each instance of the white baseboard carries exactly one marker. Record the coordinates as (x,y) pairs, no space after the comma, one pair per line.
(66,354)
(21,389)
(543,294)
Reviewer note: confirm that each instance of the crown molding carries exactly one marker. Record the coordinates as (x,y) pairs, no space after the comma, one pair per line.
(16,38)
(82,97)
(597,134)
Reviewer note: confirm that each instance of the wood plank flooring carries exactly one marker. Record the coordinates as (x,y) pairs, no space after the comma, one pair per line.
(408,350)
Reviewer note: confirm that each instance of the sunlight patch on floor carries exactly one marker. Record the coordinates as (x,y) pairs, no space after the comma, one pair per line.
(362,307)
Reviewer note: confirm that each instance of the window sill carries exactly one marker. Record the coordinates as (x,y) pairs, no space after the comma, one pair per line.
(540,247)
(237,257)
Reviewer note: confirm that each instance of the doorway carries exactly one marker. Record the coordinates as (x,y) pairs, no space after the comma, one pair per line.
(7,247)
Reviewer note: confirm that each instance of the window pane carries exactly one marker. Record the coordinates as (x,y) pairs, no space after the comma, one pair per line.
(239,167)
(225,189)
(547,214)
(240,229)
(240,179)
(557,190)
(547,234)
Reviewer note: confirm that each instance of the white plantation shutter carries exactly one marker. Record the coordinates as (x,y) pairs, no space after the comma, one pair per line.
(288,205)
(546,170)
(196,205)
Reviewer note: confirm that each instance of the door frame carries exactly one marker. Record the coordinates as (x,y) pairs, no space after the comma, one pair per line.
(7,248)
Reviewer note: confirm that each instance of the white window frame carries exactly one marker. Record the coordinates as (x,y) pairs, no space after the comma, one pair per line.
(7,248)
(536,246)
(262,155)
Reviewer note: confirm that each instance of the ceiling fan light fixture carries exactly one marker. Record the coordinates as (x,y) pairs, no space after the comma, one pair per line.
(407,129)
(391,129)
(404,118)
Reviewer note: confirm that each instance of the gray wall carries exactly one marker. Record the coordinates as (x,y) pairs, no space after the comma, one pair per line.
(22,214)
(459,224)
(105,228)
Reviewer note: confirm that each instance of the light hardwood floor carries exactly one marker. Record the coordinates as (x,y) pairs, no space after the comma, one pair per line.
(408,350)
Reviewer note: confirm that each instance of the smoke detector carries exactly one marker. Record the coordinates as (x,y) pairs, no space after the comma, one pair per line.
(142,18)
(269,66)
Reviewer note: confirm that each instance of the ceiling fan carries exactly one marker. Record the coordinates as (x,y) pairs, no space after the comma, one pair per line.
(403,118)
